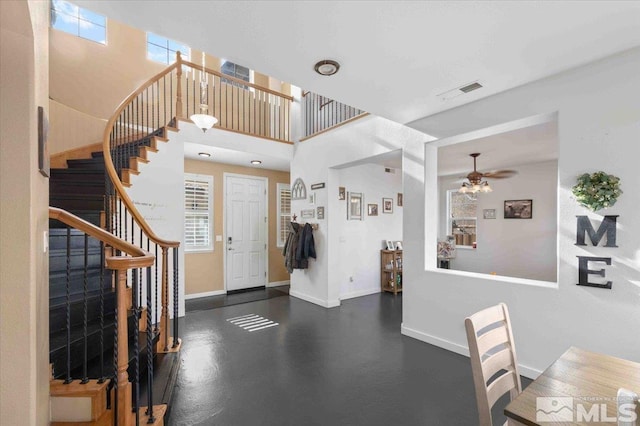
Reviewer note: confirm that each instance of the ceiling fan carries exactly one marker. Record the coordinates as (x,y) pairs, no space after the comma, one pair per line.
(475,182)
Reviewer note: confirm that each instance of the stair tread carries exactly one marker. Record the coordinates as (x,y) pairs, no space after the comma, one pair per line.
(59,302)
(94,369)
(58,340)
(58,388)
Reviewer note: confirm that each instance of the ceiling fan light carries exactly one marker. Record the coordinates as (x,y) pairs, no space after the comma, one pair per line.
(486,187)
(463,189)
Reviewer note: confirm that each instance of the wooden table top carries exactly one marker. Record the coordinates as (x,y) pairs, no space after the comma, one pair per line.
(590,378)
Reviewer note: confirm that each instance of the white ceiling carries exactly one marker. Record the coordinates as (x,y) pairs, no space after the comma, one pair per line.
(236,157)
(396,56)
(391,159)
(505,150)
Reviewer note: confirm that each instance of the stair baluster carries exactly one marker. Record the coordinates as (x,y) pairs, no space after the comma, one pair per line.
(102,271)
(85,318)
(150,332)
(68,306)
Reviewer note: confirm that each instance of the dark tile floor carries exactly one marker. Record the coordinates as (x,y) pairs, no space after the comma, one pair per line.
(343,366)
(213,302)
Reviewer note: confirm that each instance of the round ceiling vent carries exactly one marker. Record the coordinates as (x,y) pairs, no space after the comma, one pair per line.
(327,67)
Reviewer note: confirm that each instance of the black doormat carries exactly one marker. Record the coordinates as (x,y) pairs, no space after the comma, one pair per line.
(213,302)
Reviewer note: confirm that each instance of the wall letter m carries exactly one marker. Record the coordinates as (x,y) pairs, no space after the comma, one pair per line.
(608,226)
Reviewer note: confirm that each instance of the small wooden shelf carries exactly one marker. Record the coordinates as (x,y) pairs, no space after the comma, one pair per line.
(391,271)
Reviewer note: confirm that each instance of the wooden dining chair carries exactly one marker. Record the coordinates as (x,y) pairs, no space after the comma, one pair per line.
(493,358)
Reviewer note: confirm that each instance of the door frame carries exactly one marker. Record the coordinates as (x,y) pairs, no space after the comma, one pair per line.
(225,175)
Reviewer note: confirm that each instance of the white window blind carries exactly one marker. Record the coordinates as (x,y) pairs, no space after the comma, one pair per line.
(198,212)
(284,212)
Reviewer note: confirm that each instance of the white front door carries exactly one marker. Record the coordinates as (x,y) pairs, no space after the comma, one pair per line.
(245,233)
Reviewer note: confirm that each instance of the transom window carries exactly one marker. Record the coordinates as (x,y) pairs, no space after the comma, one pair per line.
(162,49)
(80,22)
(462,217)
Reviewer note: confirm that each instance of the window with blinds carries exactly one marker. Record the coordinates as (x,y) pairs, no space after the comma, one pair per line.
(284,212)
(198,212)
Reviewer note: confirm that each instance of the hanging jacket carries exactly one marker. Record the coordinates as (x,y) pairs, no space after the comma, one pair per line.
(291,246)
(306,247)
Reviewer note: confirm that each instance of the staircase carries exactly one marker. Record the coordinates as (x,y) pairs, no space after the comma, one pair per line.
(83,301)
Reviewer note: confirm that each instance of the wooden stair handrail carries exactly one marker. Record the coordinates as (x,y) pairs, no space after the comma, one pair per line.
(111,170)
(137,257)
(237,80)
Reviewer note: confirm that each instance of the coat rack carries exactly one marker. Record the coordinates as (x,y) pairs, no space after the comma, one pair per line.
(314,226)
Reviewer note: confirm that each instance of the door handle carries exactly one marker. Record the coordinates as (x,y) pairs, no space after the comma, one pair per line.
(229,242)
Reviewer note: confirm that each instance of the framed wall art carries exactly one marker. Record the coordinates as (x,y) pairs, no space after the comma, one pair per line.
(372,209)
(518,209)
(341,193)
(355,205)
(387,205)
(489,213)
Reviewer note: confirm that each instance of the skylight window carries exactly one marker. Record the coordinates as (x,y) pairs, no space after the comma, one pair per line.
(80,22)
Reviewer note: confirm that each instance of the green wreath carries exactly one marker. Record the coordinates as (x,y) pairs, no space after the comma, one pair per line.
(597,190)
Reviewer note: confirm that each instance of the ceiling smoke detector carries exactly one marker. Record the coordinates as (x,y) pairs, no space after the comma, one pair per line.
(326,67)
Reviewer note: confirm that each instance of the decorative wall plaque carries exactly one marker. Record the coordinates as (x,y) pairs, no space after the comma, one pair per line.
(298,190)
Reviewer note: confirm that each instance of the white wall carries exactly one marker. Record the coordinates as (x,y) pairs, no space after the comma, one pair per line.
(158,193)
(522,248)
(360,241)
(598,129)
(313,160)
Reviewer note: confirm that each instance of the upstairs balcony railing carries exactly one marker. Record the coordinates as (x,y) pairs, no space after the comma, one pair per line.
(239,106)
(320,114)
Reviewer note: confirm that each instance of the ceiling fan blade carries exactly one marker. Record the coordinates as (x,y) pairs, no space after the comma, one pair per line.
(500,174)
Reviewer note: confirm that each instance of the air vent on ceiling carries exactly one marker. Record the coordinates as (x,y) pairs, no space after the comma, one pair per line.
(471,87)
(453,93)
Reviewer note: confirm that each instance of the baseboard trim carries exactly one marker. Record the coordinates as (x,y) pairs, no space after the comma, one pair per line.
(278,283)
(360,293)
(526,371)
(204,294)
(314,300)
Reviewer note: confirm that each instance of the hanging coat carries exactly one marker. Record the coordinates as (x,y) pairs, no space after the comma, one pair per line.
(291,246)
(306,247)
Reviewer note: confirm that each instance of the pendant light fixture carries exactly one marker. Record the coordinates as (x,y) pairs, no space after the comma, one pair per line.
(203,120)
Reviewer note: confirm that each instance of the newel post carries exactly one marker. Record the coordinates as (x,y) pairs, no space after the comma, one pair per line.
(179,86)
(124,386)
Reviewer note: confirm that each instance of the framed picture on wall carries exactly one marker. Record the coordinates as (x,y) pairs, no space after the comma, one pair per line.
(518,209)
(387,205)
(341,193)
(399,199)
(372,209)
(489,213)
(355,205)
